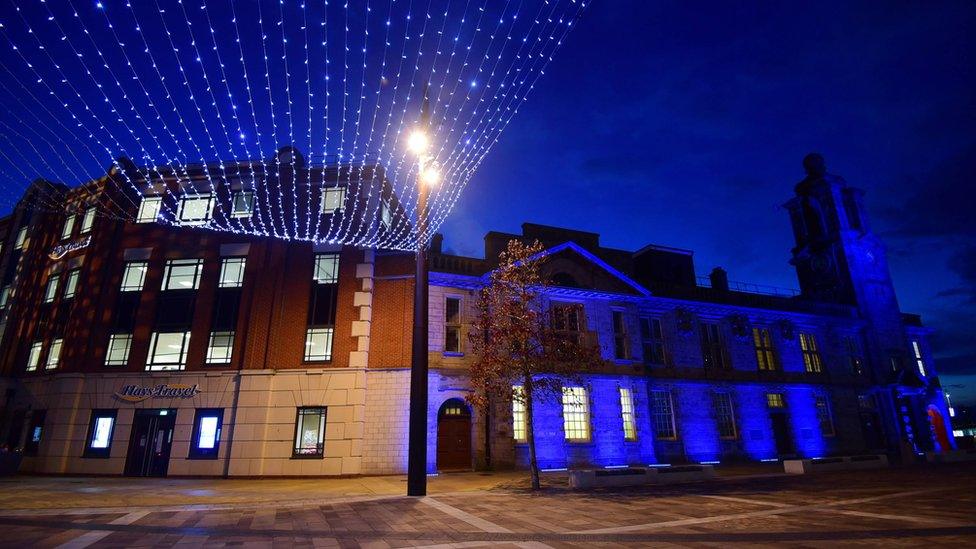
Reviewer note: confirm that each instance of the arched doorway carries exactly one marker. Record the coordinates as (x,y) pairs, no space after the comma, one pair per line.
(939,429)
(454,436)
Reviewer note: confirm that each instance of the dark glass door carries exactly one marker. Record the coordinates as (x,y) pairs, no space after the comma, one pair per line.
(782,434)
(149,445)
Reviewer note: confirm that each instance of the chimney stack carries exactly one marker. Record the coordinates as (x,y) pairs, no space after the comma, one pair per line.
(719,279)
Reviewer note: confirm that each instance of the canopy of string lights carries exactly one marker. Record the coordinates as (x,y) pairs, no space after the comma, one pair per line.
(282,118)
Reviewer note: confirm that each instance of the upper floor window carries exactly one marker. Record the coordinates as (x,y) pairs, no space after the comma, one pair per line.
(621,340)
(220,348)
(724,415)
(54,354)
(118,349)
(775,400)
(824,416)
(232,272)
(765,354)
(21,238)
(310,432)
(69,226)
(386,215)
(134,276)
(333,199)
(196,209)
(518,414)
(919,362)
(149,209)
(182,274)
(811,354)
(88,220)
(627,414)
(662,410)
(326,270)
(167,350)
(567,317)
(243,205)
(576,414)
(714,354)
(34,356)
(652,339)
(4,296)
(452,325)
(71,284)
(52,288)
(855,361)
(318,344)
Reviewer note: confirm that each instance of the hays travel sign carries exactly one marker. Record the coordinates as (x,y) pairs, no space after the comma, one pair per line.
(135,393)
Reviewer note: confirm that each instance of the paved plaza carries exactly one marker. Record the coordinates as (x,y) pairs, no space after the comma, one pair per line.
(931,506)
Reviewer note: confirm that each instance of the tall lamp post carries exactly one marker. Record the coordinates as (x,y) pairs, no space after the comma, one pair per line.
(427,175)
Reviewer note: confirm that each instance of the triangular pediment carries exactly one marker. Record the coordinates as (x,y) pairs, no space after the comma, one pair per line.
(568,265)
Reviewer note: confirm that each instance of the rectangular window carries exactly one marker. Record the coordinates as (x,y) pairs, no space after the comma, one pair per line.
(243,204)
(182,274)
(662,408)
(34,357)
(71,284)
(205,441)
(54,354)
(333,199)
(714,354)
(652,339)
(824,416)
(518,414)
(811,354)
(855,362)
(386,215)
(52,288)
(310,433)
(627,414)
(4,296)
(775,400)
(134,276)
(33,442)
(318,345)
(621,342)
(149,209)
(724,415)
(88,220)
(69,227)
(21,238)
(452,325)
(167,350)
(196,210)
(567,318)
(118,349)
(232,272)
(100,430)
(919,362)
(221,347)
(765,355)
(576,414)
(326,269)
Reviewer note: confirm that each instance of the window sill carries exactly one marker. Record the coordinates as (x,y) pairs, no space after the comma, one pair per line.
(579,442)
(95,456)
(451,354)
(323,361)
(203,458)
(308,456)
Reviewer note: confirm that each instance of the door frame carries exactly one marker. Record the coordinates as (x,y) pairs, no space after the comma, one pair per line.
(465,415)
(129,466)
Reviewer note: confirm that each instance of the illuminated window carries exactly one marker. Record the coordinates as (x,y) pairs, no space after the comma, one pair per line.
(4,296)
(652,340)
(452,325)
(69,227)
(100,429)
(71,284)
(33,442)
(811,355)
(576,414)
(205,441)
(149,209)
(221,347)
(714,354)
(318,344)
(182,274)
(724,415)
(326,268)
(309,433)
(621,340)
(765,354)
(118,349)
(232,272)
(518,414)
(855,361)
(34,357)
(775,400)
(333,199)
(243,204)
(21,238)
(88,220)
(52,288)
(627,414)
(134,276)
(918,358)
(54,354)
(662,410)
(824,416)
(167,350)
(386,215)
(196,210)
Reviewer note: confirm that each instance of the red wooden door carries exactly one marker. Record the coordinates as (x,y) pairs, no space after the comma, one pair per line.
(454,436)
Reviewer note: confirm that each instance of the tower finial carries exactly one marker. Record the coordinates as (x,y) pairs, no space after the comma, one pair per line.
(814,165)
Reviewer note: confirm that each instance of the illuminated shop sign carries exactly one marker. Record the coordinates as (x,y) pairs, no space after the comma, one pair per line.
(62,250)
(135,393)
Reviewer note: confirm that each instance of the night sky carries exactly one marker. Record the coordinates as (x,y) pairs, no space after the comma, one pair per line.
(685,124)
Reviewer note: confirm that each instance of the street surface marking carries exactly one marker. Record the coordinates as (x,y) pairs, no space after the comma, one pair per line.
(906,518)
(89,538)
(478,522)
(747,500)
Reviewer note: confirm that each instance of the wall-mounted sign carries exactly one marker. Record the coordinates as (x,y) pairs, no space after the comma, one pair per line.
(135,393)
(62,250)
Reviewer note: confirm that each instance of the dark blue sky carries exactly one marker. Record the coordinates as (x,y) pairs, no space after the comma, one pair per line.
(684,124)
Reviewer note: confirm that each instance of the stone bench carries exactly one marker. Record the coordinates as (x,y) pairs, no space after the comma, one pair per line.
(951,456)
(582,479)
(844,463)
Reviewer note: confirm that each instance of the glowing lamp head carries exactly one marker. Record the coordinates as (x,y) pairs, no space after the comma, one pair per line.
(418,142)
(430,176)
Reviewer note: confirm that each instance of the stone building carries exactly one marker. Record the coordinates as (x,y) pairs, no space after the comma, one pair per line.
(146,344)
